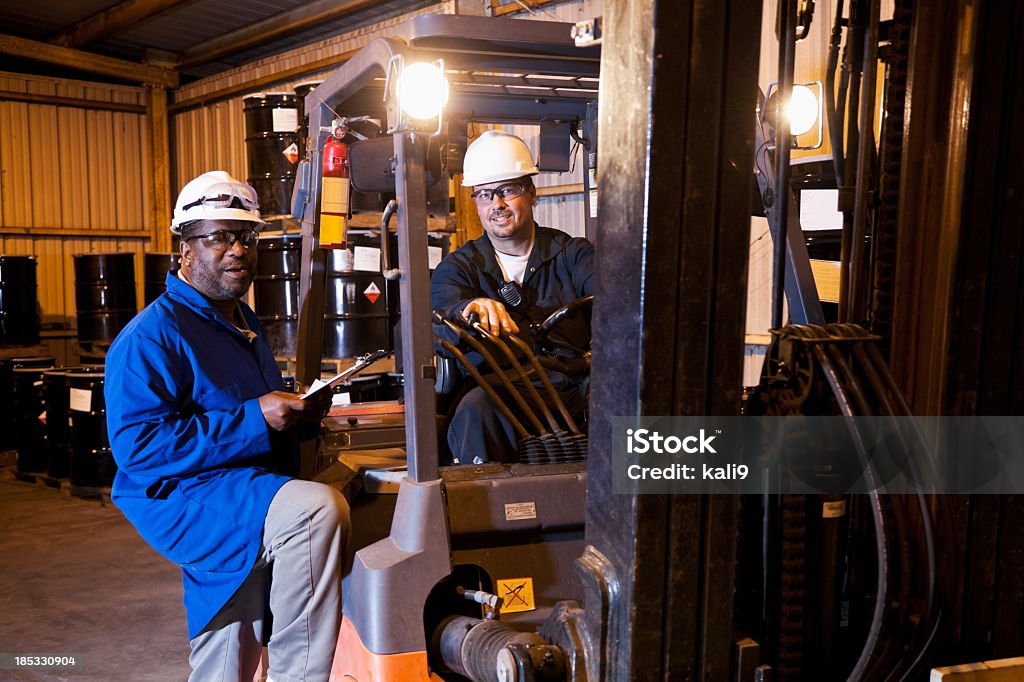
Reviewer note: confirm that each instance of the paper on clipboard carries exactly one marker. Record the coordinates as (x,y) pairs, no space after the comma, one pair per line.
(364,362)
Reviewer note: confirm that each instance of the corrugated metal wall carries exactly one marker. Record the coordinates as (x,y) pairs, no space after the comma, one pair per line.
(72,180)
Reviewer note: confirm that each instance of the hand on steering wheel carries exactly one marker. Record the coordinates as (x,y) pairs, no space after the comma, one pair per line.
(493,316)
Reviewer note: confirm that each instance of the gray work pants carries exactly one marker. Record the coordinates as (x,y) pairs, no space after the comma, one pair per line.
(304,539)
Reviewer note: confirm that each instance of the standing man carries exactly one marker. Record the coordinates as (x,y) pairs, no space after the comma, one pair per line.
(549,267)
(198,419)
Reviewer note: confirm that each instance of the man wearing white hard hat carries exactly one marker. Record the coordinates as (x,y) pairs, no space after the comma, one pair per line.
(199,425)
(545,267)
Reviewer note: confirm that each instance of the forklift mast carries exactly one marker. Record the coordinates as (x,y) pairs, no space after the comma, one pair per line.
(502,71)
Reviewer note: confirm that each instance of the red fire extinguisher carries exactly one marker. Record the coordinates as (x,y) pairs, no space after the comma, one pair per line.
(334,195)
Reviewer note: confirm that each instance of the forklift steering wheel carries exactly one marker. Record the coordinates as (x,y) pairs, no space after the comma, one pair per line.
(542,330)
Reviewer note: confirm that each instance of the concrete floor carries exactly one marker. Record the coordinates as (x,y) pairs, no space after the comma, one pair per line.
(75,578)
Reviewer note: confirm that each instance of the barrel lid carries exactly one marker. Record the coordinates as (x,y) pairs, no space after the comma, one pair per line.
(281,242)
(30,370)
(284,96)
(17,259)
(119,254)
(32,360)
(98,374)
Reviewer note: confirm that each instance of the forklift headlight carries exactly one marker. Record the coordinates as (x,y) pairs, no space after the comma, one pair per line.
(422,90)
(802,110)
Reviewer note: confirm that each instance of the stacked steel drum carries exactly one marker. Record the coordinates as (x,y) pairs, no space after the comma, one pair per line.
(272,149)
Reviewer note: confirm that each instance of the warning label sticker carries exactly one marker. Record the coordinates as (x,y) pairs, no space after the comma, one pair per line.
(372,292)
(516,595)
(291,152)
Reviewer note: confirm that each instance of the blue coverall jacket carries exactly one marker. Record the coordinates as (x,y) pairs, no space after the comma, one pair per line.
(188,435)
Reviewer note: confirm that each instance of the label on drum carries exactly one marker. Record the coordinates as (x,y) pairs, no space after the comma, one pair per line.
(80,400)
(366,258)
(372,292)
(291,152)
(434,256)
(285,120)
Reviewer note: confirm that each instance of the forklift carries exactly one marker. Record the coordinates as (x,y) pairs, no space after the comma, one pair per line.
(538,570)
(477,572)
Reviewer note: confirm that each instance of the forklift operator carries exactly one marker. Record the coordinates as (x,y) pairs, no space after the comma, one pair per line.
(549,268)
(197,418)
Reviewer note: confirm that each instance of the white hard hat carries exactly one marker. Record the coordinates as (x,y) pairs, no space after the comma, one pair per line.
(496,155)
(212,196)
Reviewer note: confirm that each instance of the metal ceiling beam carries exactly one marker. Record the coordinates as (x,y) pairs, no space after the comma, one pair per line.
(255,84)
(85,61)
(113,20)
(278,26)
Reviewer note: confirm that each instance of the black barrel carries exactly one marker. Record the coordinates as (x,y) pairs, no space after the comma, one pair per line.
(19,312)
(28,403)
(302,116)
(276,291)
(104,294)
(356,304)
(7,367)
(58,459)
(375,387)
(271,145)
(92,464)
(156,266)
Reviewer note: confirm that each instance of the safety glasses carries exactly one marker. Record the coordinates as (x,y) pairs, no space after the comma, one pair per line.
(222,240)
(509,190)
(224,195)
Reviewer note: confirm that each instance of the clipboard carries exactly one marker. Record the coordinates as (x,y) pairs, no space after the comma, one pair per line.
(362,363)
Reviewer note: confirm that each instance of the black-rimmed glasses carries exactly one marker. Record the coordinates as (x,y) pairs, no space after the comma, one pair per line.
(509,190)
(222,240)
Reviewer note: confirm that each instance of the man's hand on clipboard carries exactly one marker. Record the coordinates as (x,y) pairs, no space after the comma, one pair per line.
(282,410)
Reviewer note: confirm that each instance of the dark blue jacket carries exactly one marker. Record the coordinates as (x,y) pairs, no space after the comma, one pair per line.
(560,270)
(187,432)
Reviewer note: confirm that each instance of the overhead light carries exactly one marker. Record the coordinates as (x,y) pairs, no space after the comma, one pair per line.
(422,90)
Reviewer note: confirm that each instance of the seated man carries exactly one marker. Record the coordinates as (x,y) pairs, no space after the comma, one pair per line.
(198,419)
(550,267)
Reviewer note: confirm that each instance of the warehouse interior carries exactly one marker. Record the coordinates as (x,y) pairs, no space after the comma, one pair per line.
(885,282)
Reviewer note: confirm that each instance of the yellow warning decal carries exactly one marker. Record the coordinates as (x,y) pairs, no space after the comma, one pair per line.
(516,595)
